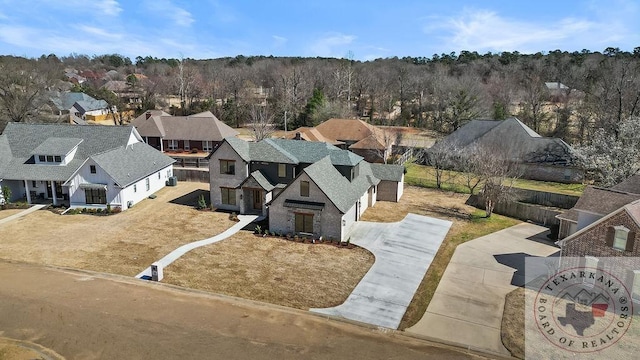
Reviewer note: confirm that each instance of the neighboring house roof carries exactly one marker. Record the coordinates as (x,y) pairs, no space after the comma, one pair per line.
(630,185)
(89,105)
(66,100)
(340,191)
(116,85)
(360,134)
(514,138)
(603,201)
(201,127)
(632,209)
(556,86)
(18,142)
(387,172)
(312,134)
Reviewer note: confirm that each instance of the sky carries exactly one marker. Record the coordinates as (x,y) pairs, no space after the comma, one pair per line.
(362,30)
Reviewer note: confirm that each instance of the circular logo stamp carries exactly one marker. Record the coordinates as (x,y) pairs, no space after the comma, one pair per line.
(583,309)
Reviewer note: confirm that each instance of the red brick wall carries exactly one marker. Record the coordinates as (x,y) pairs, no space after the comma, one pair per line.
(592,242)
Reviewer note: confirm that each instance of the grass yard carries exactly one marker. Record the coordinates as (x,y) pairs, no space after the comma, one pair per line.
(273,270)
(124,243)
(421,175)
(8,212)
(468,223)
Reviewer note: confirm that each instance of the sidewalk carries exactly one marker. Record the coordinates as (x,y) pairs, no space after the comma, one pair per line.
(21,214)
(177,253)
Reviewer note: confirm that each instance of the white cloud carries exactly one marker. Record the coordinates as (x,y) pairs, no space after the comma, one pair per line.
(109,34)
(166,8)
(279,40)
(332,45)
(485,30)
(108,7)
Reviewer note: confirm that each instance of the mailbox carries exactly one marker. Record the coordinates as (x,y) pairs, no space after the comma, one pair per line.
(156,272)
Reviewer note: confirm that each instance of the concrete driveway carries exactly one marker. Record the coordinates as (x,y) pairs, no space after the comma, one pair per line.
(403,252)
(466,309)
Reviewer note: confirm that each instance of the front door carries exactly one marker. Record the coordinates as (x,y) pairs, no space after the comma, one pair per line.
(257,199)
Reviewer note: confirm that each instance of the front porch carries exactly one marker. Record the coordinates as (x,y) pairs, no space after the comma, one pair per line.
(38,191)
(252,201)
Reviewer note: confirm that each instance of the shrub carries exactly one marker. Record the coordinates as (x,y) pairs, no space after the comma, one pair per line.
(108,208)
(202,203)
(116,210)
(194,150)
(179,150)
(98,211)
(258,230)
(85,210)
(6,193)
(233,217)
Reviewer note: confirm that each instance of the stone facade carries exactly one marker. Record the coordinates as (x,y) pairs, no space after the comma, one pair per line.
(231,181)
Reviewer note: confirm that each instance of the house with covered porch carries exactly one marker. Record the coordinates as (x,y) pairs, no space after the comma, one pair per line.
(80,165)
(303,187)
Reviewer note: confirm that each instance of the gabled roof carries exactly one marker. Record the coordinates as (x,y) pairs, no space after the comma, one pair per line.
(18,142)
(130,163)
(312,134)
(259,179)
(630,185)
(346,129)
(514,138)
(632,209)
(603,201)
(387,172)
(56,146)
(292,152)
(201,127)
(66,100)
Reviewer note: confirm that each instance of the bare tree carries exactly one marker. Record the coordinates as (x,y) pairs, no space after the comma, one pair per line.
(261,122)
(497,173)
(442,158)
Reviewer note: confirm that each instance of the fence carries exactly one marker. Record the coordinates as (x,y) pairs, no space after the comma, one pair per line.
(405,157)
(193,175)
(191,162)
(546,198)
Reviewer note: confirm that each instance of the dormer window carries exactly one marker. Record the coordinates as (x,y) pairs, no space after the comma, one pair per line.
(49,158)
(92,169)
(620,238)
(42,158)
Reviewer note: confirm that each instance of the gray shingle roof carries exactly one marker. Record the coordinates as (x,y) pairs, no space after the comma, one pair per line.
(340,191)
(19,141)
(64,101)
(56,146)
(388,172)
(512,136)
(130,163)
(292,152)
(91,104)
(260,179)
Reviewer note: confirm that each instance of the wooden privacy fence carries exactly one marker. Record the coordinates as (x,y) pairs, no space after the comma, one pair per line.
(193,175)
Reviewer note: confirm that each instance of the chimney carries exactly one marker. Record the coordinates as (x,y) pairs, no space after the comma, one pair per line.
(148,115)
(297,136)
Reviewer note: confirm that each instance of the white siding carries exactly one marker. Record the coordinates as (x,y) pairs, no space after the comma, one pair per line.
(84,176)
(348,220)
(128,195)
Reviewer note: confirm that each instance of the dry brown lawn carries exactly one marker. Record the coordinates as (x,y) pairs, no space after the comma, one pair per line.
(512,329)
(124,243)
(273,270)
(8,212)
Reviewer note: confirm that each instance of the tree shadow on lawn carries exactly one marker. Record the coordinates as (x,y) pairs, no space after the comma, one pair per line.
(448,212)
(191,199)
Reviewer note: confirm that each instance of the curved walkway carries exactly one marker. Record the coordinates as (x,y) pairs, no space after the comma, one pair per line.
(403,252)
(177,253)
(21,213)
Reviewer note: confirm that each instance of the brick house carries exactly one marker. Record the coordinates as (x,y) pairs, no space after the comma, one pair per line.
(614,236)
(303,187)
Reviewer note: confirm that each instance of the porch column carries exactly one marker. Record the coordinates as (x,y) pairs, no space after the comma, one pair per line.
(53,193)
(26,189)
(161,148)
(146,139)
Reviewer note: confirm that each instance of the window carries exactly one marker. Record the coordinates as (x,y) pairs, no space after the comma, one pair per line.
(304,188)
(34,184)
(57,158)
(207,145)
(49,158)
(228,167)
(590,268)
(172,144)
(304,223)
(92,169)
(146,183)
(620,238)
(135,187)
(186,145)
(158,175)
(42,158)
(282,170)
(228,196)
(95,196)
(168,173)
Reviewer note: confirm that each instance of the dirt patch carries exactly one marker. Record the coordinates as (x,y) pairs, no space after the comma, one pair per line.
(273,270)
(512,330)
(124,243)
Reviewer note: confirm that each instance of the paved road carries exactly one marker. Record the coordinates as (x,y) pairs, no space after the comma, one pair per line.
(468,304)
(83,315)
(403,252)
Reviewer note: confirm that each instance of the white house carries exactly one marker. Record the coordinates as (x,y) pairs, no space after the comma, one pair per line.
(80,165)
